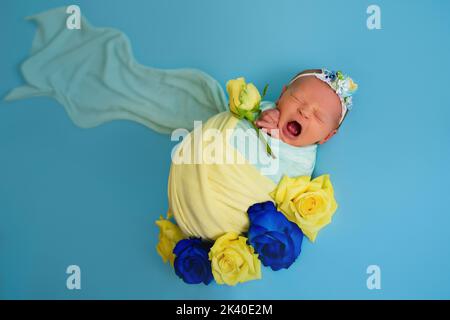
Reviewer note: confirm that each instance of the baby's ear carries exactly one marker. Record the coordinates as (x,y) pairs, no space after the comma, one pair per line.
(328,137)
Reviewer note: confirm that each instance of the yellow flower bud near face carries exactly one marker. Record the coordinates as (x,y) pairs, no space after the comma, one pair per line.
(169,235)
(308,203)
(233,260)
(234,88)
(249,97)
(242,96)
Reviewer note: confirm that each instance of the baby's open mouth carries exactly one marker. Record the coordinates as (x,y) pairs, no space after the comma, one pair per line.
(294,128)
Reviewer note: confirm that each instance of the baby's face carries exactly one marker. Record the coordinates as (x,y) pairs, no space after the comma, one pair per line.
(309,112)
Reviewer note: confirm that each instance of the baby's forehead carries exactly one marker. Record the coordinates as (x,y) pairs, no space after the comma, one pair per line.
(311,85)
(317,92)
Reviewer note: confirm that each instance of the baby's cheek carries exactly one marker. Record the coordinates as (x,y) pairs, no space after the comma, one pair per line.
(282,116)
(320,133)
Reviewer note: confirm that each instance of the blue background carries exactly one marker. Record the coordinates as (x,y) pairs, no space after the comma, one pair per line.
(90,196)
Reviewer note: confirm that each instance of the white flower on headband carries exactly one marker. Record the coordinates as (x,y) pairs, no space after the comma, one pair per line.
(343,85)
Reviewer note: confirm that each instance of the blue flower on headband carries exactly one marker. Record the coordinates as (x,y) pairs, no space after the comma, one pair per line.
(331,75)
(277,240)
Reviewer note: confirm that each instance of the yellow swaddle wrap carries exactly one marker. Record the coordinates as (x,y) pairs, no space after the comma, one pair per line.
(209,199)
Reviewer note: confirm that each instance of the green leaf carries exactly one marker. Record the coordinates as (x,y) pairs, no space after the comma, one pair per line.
(264,91)
(241,113)
(238,115)
(256,108)
(251,116)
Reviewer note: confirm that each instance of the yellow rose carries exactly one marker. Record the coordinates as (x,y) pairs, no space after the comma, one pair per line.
(233,261)
(169,235)
(242,96)
(308,203)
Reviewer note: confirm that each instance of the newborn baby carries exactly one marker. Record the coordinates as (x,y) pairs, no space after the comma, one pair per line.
(308,112)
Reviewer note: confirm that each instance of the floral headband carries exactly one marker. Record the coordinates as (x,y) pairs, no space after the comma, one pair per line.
(342,84)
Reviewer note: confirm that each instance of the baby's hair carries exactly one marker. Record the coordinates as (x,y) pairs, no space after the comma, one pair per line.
(305,71)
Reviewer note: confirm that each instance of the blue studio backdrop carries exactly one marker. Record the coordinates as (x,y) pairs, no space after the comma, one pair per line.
(90,197)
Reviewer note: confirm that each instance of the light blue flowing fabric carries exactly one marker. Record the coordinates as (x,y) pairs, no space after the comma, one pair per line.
(93,74)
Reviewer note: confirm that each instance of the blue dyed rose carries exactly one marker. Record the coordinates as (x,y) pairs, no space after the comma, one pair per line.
(191,261)
(277,240)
